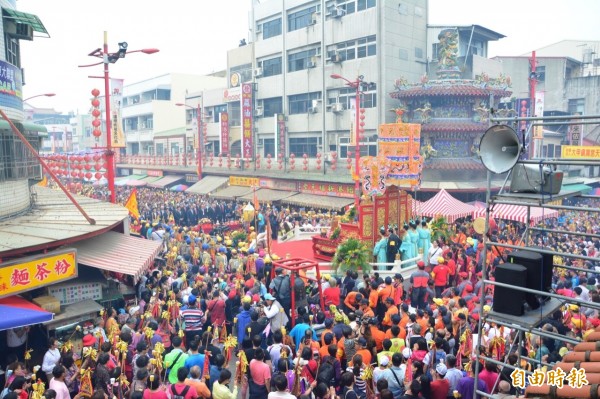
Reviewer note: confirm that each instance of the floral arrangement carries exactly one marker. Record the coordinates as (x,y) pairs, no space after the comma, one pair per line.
(352,254)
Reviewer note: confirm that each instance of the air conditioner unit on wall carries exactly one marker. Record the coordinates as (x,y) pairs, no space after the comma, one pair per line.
(258,111)
(311,64)
(337,107)
(258,72)
(335,57)
(338,12)
(313,110)
(314,18)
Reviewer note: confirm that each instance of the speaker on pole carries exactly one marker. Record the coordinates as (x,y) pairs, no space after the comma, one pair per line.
(507,300)
(499,148)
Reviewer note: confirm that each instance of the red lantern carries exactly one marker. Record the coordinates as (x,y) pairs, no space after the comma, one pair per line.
(87,158)
(88,175)
(87,166)
(96,157)
(95,102)
(98,175)
(95,92)
(73,174)
(96,123)
(80,175)
(96,113)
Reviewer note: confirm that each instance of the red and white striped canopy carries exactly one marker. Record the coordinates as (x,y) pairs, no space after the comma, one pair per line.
(518,213)
(443,204)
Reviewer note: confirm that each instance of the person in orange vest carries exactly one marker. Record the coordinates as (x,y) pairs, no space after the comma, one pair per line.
(391,310)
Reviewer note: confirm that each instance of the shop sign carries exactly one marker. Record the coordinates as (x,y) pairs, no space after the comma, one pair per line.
(34,272)
(189,178)
(280,138)
(155,173)
(11,84)
(278,184)
(330,189)
(244,181)
(232,94)
(577,151)
(247,121)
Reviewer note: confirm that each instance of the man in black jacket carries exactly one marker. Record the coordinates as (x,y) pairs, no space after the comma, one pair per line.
(393,246)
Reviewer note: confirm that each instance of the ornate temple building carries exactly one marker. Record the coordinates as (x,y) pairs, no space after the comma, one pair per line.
(452,103)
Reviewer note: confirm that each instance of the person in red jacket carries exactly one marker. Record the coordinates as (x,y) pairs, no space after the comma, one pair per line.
(441,276)
(419,281)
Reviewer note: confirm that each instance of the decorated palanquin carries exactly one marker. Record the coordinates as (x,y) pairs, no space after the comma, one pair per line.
(384,178)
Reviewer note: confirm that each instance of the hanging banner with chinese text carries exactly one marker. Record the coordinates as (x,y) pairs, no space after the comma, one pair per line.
(247,133)
(538,131)
(116,128)
(578,151)
(574,133)
(400,143)
(224,118)
(280,138)
(34,272)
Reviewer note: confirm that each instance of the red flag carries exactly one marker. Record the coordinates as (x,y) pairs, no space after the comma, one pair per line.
(255,199)
(206,369)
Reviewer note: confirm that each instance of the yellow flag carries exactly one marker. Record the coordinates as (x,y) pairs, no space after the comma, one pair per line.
(44,182)
(132,204)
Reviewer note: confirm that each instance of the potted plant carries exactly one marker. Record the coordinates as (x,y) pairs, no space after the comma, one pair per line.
(352,254)
(335,234)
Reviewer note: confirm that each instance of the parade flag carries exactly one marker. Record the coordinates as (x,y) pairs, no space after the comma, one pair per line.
(44,182)
(132,204)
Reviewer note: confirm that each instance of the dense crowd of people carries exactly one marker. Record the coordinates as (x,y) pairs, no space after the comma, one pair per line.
(213,318)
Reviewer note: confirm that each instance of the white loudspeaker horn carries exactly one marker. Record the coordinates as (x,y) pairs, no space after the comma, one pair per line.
(499,149)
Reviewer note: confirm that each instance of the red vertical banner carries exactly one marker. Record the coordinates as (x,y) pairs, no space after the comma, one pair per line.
(224,118)
(280,139)
(247,133)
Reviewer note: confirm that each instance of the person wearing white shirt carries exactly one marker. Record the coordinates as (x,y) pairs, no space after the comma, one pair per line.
(434,253)
(15,340)
(51,358)
(274,312)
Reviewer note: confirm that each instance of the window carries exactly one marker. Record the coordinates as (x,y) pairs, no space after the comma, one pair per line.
(234,112)
(304,145)
(160,149)
(347,97)
(576,106)
(352,49)
(300,103)
(272,106)
(540,71)
(271,67)
(299,61)
(403,54)
(418,52)
(300,19)
(352,6)
(367,147)
(269,146)
(12,51)
(271,28)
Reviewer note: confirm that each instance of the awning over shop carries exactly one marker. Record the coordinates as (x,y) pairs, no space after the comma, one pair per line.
(118,253)
(165,181)
(20,17)
(130,177)
(318,201)
(18,312)
(150,179)
(582,188)
(74,314)
(231,192)
(267,195)
(207,185)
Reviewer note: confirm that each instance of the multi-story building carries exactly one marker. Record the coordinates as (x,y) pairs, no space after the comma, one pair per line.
(149,109)
(298,44)
(18,166)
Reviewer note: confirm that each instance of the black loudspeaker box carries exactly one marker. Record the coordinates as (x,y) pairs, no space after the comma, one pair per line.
(538,277)
(506,300)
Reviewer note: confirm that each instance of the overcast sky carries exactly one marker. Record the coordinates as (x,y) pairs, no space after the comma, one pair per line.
(193,36)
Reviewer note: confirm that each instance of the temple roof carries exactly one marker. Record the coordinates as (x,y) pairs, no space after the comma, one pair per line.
(450,88)
(453,125)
